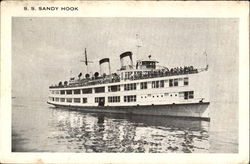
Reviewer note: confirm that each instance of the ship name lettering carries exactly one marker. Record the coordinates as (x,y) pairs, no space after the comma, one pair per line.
(48,8)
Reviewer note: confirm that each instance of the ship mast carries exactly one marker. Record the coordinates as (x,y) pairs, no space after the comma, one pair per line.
(86,61)
(137,46)
(206,60)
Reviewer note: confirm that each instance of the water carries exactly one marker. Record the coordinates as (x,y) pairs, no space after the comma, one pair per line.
(38,127)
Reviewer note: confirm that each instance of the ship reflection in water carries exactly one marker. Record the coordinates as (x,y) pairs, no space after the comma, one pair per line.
(39,128)
(85,132)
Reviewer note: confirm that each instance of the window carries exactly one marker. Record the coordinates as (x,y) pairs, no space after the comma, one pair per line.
(86,90)
(130,98)
(181,94)
(68,92)
(114,99)
(77,100)
(158,84)
(99,89)
(143,85)
(188,95)
(69,100)
(162,84)
(62,99)
(57,99)
(185,95)
(153,84)
(170,82)
(54,92)
(84,100)
(77,91)
(191,94)
(97,99)
(62,92)
(53,99)
(127,75)
(128,87)
(175,82)
(114,88)
(186,81)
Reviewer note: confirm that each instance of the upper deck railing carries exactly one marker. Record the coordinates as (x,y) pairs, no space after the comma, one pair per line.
(115,78)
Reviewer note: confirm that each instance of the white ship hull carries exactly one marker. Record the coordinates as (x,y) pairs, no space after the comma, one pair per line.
(192,110)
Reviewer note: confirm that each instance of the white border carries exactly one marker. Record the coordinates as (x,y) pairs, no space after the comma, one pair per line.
(125,9)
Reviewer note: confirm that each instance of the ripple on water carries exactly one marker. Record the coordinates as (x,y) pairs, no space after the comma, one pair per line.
(59,130)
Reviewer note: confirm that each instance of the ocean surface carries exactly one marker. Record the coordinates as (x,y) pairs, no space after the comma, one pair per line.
(39,127)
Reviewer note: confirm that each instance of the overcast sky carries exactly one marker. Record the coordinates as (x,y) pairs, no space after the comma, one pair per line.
(45,50)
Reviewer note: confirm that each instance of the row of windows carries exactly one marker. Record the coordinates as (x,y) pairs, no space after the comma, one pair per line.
(99,89)
(185,95)
(55,92)
(97,99)
(175,82)
(70,100)
(130,98)
(127,87)
(111,99)
(114,88)
(69,92)
(86,90)
(158,84)
(144,85)
(114,99)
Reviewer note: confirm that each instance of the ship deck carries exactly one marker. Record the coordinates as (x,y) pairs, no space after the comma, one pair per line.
(116,78)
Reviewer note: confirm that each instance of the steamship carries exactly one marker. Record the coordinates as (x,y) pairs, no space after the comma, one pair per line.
(144,88)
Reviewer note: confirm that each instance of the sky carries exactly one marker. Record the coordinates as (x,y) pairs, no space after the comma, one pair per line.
(46,50)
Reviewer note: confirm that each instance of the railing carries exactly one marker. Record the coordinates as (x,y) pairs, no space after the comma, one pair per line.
(155,74)
(148,75)
(88,83)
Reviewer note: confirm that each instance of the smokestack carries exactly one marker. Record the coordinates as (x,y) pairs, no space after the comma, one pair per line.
(104,60)
(125,54)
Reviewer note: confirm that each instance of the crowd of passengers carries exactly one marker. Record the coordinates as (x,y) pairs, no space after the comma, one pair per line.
(116,78)
(166,72)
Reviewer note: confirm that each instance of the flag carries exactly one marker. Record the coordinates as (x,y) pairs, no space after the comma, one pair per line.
(86,60)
